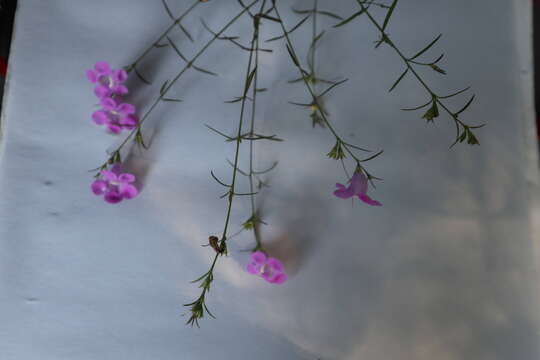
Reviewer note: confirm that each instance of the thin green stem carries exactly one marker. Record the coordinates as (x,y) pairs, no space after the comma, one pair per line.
(249,77)
(239,139)
(164,34)
(186,67)
(311,91)
(407,62)
(314,36)
(254,213)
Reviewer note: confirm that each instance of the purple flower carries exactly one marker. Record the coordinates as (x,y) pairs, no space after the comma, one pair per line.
(358,186)
(115,185)
(270,269)
(108,81)
(116,115)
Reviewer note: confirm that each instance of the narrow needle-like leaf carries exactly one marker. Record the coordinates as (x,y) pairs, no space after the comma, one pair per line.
(332,86)
(350,18)
(454,94)
(389,14)
(466,106)
(426,48)
(399,80)
(177,50)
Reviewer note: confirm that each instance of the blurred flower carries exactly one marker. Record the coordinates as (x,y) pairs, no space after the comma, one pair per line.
(114,185)
(270,269)
(358,186)
(116,116)
(108,81)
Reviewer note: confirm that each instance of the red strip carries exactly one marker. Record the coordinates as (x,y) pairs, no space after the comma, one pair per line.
(3,67)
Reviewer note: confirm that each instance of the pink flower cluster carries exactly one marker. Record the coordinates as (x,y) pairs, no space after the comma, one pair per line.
(109,88)
(115,185)
(116,115)
(270,269)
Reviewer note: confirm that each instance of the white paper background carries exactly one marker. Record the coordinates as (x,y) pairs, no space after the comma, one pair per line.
(445,269)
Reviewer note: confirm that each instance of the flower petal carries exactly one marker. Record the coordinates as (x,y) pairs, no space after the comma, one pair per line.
(113,197)
(359,183)
(128,191)
(102,68)
(108,103)
(343,192)
(126,178)
(369,200)
(275,264)
(126,109)
(258,257)
(120,75)
(102,91)
(91,75)
(253,268)
(279,279)
(109,175)
(120,90)
(267,274)
(116,168)
(129,121)
(100,117)
(99,187)
(115,129)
